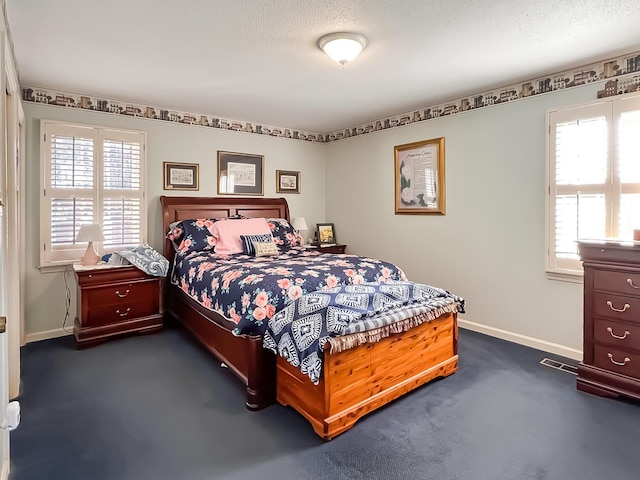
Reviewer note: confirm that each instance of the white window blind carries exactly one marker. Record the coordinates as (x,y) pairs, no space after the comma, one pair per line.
(593,178)
(90,175)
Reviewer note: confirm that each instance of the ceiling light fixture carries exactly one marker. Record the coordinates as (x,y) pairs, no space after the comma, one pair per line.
(343,47)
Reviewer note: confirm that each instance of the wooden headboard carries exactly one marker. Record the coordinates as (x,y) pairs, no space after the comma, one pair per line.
(175,209)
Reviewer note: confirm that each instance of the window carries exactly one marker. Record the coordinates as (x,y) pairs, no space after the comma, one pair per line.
(593,178)
(90,175)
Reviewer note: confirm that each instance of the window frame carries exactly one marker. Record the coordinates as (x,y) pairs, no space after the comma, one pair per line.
(59,258)
(611,108)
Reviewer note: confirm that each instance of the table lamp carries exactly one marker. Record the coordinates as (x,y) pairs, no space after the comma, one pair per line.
(300,224)
(90,232)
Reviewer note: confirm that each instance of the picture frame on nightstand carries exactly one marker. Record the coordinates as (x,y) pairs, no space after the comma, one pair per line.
(326,234)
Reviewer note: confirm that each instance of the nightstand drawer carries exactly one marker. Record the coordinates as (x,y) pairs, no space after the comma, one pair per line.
(110,314)
(616,306)
(619,282)
(616,334)
(114,301)
(332,248)
(123,293)
(617,360)
(102,276)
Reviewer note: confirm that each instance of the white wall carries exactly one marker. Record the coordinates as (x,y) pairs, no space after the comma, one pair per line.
(490,246)
(45,295)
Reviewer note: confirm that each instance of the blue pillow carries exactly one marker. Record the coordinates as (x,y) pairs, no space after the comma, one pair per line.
(283,233)
(247,242)
(192,235)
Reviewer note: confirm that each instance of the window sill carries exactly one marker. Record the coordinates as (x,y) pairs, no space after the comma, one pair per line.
(55,268)
(565,276)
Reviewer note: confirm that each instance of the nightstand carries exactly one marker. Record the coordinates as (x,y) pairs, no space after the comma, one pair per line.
(115,300)
(338,248)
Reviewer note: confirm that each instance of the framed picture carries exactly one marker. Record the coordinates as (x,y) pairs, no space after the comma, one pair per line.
(287,182)
(419,177)
(180,176)
(326,234)
(240,173)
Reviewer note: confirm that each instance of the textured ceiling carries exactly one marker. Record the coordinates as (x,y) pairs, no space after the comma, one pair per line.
(258,60)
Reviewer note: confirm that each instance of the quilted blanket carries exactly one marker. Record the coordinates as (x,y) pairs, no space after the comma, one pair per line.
(300,331)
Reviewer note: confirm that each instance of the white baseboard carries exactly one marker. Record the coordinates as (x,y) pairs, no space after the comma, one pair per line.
(522,339)
(46,335)
(466,324)
(4,474)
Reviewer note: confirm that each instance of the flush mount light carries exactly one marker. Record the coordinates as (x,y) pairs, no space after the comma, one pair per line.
(342,47)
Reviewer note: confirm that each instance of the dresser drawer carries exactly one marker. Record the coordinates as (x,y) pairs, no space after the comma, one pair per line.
(617,360)
(618,282)
(122,293)
(616,306)
(110,314)
(616,334)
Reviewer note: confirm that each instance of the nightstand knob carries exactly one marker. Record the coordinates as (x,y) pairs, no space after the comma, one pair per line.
(122,295)
(123,314)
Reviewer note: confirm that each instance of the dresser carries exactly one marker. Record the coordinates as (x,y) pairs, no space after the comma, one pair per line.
(113,301)
(611,358)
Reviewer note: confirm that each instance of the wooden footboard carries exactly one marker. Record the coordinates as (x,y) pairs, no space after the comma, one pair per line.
(362,379)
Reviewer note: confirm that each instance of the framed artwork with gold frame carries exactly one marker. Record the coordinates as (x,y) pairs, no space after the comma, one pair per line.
(240,173)
(180,176)
(287,182)
(419,178)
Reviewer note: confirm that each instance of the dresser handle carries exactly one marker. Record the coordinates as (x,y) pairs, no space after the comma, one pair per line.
(630,282)
(624,309)
(122,295)
(626,332)
(123,314)
(621,364)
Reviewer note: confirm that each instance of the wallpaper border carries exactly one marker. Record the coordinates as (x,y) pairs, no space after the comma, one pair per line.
(616,74)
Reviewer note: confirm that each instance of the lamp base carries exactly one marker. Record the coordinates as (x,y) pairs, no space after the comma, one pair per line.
(90,257)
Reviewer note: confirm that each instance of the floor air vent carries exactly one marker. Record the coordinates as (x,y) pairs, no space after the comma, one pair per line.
(559,365)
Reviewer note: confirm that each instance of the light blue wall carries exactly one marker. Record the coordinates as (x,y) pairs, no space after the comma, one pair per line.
(490,245)
(488,248)
(45,293)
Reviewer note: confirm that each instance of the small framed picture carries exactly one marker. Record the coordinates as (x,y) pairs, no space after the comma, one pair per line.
(181,176)
(287,182)
(240,173)
(326,234)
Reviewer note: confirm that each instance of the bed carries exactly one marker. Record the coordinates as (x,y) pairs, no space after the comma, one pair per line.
(358,375)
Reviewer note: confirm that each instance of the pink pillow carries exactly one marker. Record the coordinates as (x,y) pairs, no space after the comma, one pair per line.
(228,233)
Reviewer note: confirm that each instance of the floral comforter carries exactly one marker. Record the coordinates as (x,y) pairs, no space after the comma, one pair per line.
(248,291)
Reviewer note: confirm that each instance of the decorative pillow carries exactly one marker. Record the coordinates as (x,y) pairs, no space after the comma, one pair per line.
(192,235)
(264,249)
(283,233)
(247,242)
(147,259)
(228,233)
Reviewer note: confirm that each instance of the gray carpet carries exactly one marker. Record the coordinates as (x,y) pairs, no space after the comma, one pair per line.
(160,407)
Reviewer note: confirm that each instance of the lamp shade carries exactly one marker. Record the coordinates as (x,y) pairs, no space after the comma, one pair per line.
(300,224)
(90,232)
(343,47)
